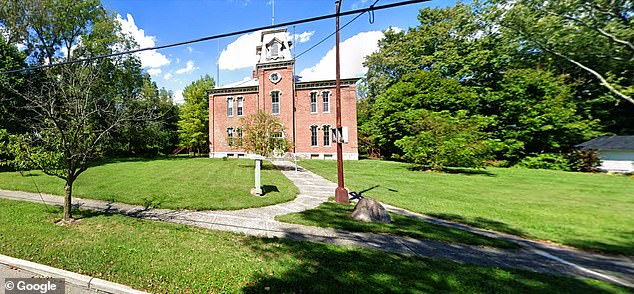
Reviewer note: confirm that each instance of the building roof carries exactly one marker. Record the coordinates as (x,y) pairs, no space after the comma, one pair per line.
(247,82)
(609,143)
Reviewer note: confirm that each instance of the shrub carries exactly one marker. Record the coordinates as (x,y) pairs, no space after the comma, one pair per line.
(554,161)
(584,160)
(444,140)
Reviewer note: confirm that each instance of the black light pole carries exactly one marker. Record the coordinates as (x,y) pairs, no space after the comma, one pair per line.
(341,194)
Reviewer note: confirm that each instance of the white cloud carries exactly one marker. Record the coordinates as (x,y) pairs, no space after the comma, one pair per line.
(189,67)
(154,71)
(178,60)
(241,53)
(178,97)
(65,50)
(167,76)
(149,59)
(353,53)
(359,4)
(303,37)
(395,29)
(190,49)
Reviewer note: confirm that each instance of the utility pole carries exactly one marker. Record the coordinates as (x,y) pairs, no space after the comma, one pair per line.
(341,194)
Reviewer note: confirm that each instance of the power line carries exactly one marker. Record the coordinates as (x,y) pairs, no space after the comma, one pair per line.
(290,23)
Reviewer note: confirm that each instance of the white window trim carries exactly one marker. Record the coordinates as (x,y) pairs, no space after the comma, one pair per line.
(233,109)
(238,104)
(327,142)
(329,101)
(316,135)
(316,102)
(279,102)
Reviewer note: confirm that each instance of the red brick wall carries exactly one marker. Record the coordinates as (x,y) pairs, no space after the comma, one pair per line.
(219,122)
(285,87)
(305,119)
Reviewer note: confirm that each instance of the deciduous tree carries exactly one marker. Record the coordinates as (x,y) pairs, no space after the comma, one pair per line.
(263,134)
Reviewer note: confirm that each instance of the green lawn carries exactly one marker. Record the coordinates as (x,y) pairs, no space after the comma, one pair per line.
(161,257)
(593,211)
(335,215)
(177,183)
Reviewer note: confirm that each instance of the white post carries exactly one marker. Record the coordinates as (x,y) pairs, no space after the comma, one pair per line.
(257,190)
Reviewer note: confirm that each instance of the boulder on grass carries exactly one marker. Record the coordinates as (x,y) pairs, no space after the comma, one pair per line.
(370,210)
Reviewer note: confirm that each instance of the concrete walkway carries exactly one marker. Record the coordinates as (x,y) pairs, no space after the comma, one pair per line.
(314,190)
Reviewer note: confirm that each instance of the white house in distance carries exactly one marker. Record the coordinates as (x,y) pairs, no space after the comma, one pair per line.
(616,152)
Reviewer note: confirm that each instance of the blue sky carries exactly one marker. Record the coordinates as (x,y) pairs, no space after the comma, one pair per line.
(161,22)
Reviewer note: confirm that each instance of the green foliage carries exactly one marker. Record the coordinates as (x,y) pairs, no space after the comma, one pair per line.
(263,134)
(193,126)
(500,60)
(554,161)
(594,38)
(535,113)
(576,160)
(73,111)
(11,107)
(398,108)
(442,140)
(155,134)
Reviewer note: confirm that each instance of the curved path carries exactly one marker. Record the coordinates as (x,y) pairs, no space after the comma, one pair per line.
(314,190)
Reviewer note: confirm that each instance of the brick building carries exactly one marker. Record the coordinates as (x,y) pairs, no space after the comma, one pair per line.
(307,109)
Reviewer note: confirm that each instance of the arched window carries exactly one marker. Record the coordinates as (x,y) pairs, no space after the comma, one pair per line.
(230,137)
(240,105)
(239,136)
(313,136)
(275,102)
(230,106)
(326,129)
(313,102)
(326,99)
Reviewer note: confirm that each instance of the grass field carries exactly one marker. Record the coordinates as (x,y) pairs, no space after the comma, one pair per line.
(169,258)
(592,211)
(336,215)
(177,183)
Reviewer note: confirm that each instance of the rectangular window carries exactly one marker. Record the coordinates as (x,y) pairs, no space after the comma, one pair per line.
(275,102)
(230,106)
(313,135)
(313,102)
(326,96)
(326,135)
(239,136)
(230,137)
(240,105)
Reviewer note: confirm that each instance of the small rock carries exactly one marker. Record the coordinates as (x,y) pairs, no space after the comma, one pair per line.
(370,210)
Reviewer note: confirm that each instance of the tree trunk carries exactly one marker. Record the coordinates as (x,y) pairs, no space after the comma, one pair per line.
(68,192)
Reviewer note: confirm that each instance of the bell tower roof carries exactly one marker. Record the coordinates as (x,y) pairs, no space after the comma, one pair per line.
(274,46)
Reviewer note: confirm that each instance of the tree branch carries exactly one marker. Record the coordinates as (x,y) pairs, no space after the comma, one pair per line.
(601,79)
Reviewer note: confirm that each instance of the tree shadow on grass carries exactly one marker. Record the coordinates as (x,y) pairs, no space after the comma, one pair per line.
(251,166)
(481,222)
(338,216)
(320,268)
(455,170)
(115,159)
(624,247)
